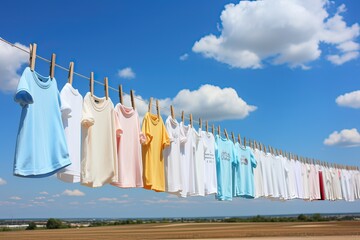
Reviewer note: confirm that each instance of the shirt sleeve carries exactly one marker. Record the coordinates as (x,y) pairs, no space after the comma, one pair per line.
(118,127)
(145,131)
(87,119)
(253,160)
(235,157)
(23,94)
(165,137)
(65,106)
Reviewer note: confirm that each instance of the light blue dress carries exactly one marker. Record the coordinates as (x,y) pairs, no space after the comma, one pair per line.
(41,148)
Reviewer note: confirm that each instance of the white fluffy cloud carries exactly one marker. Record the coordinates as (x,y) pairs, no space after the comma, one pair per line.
(40,198)
(105,199)
(280,32)
(208,102)
(126,73)
(43,193)
(351,99)
(11,61)
(345,138)
(2,181)
(73,193)
(15,198)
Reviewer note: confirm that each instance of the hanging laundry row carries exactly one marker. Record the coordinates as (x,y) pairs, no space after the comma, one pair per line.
(89,140)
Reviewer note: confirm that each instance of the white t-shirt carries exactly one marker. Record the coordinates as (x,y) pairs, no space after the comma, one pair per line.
(279,178)
(258,174)
(209,163)
(172,157)
(186,160)
(71,118)
(298,179)
(198,164)
(305,175)
(99,130)
(267,164)
(129,158)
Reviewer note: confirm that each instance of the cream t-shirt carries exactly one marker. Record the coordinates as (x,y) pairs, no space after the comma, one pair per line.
(99,128)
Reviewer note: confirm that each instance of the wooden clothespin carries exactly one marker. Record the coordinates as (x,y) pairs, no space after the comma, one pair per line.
(132,99)
(233,137)
(121,94)
(32,56)
(200,123)
(157,108)
(150,105)
(92,83)
(260,147)
(264,147)
(254,144)
(244,142)
(106,88)
(219,133)
(52,65)
(207,126)
(182,116)
(172,112)
(239,139)
(213,129)
(71,73)
(191,120)
(226,134)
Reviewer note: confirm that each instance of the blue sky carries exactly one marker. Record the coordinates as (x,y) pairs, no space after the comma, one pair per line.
(286,65)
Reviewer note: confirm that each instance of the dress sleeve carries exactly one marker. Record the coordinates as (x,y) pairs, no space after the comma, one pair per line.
(87,119)
(23,94)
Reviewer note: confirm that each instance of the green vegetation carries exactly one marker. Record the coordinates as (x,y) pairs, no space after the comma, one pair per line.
(32,226)
(53,223)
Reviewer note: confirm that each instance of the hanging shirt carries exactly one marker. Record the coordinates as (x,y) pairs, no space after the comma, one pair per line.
(71,119)
(267,176)
(186,159)
(209,163)
(99,130)
(225,161)
(41,148)
(172,157)
(298,179)
(243,180)
(129,159)
(258,175)
(157,140)
(305,175)
(198,164)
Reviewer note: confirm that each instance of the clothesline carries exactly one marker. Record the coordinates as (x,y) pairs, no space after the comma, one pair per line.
(251,143)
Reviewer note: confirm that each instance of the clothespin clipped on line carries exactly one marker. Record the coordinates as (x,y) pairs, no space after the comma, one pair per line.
(239,139)
(213,129)
(172,111)
(121,95)
(150,105)
(71,73)
(191,120)
(218,131)
(182,116)
(52,66)
(200,123)
(233,137)
(32,58)
(226,134)
(207,126)
(132,99)
(244,142)
(106,88)
(157,108)
(92,83)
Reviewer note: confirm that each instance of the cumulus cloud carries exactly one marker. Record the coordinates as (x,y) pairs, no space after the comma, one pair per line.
(345,138)
(73,193)
(40,198)
(279,32)
(43,193)
(105,199)
(127,73)
(184,57)
(208,102)
(351,99)
(56,195)
(15,198)
(11,61)
(125,196)
(2,181)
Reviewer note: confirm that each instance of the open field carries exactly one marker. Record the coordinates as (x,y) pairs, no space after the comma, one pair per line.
(266,231)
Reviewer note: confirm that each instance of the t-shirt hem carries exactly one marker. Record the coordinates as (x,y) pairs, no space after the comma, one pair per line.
(44,171)
(123,185)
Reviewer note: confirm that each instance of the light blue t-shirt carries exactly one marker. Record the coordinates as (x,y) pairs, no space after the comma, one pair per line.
(41,147)
(244,172)
(225,161)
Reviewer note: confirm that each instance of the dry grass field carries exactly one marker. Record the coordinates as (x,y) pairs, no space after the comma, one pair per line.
(265,231)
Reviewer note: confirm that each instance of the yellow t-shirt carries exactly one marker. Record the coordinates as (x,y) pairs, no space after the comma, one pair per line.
(152,152)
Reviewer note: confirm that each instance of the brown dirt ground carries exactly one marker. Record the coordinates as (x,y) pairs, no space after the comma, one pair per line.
(269,231)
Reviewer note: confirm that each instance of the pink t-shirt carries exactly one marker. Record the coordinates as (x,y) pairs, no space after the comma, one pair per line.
(129,170)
